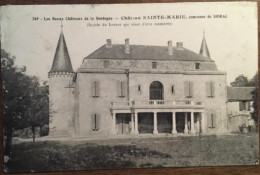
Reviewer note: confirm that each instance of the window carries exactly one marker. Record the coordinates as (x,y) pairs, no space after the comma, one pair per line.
(197,65)
(211,120)
(133,63)
(210,88)
(139,87)
(244,105)
(154,65)
(172,89)
(95,122)
(95,89)
(106,64)
(121,88)
(188,89)
(156,91)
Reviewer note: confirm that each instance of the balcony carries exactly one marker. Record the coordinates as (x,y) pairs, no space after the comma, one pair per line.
(158,104)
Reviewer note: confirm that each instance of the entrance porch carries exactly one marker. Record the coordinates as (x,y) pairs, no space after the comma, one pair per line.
(158,116)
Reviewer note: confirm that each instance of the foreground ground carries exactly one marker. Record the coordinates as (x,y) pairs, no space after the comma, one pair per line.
(161,151)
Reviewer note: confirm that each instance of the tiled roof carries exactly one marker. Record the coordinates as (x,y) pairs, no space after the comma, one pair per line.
(61,62)
(239,93)
(145,52)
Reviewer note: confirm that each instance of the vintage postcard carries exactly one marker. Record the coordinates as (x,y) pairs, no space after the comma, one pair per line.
(117,86)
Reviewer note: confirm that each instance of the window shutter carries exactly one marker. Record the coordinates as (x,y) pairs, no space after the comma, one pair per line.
(186,89)
(93,89)
(212,87)
(214,122)
(240,106)
(118,88)
(209,123)
(93,121)
(191,89)
(98,118)
(97,88)
(248,105)
(208,88)
(124,88)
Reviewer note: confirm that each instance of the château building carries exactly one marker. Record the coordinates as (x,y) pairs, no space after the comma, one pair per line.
(137,89)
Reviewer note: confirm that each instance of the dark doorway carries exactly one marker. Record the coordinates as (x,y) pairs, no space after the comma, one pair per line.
(145,123)
(164,122)
(123,123)
(180,121)
(156,91)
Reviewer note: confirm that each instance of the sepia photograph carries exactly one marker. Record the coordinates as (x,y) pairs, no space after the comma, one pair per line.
(119,86)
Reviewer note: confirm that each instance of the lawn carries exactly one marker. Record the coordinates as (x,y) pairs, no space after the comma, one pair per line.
(161,151)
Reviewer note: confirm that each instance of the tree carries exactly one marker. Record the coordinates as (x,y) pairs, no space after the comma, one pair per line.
(25,101)
(15,97)
(254,82)
(38,115)
(240,81)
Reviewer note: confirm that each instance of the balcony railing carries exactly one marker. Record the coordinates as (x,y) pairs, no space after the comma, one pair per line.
(154,103)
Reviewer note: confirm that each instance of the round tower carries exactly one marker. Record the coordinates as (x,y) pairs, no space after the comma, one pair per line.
(61,100)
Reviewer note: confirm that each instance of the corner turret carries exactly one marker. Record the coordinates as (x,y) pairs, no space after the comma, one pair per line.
(61,86)
(204,51)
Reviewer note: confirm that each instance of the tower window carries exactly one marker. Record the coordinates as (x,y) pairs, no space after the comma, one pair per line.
(154,65)
(95,86)
(139,87)
(106,64)
(197,65)
(95,122)
(172,89)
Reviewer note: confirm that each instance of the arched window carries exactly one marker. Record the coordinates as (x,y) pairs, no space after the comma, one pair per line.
(156,91)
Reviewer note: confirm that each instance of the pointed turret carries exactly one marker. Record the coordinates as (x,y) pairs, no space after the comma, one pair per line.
(204,51)
(61,62)
(61,98)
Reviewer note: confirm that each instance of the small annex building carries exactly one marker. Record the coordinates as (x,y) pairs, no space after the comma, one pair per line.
(240,107)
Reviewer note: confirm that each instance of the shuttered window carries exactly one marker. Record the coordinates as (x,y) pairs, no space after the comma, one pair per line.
(188,89)
(210,89)
(121,88)
(211,120)
(95,122)
(95,86)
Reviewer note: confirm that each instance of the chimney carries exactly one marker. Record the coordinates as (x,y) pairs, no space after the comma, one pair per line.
(170,49)
(127,46)
(179,45)
(109,43)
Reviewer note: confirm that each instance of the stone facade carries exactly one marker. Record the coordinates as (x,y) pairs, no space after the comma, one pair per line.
(134,89)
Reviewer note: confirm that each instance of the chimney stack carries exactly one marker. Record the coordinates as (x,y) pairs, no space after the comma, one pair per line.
(170,48)
(109,43)
(127,46)
(179,45)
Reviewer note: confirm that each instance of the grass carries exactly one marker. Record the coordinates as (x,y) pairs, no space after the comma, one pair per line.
(134,153)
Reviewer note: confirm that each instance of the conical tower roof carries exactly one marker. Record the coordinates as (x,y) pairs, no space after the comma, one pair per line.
(61,61)
(204,51)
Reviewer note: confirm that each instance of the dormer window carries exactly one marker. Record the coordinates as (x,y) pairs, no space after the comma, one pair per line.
(197,65)
(154,65)
(106,64)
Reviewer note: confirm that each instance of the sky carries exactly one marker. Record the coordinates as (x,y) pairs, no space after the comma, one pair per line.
(232,41)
